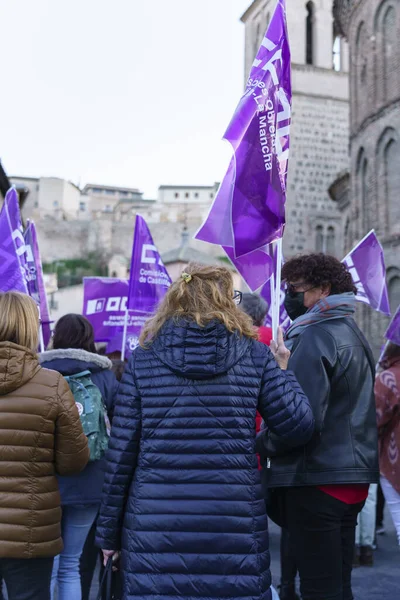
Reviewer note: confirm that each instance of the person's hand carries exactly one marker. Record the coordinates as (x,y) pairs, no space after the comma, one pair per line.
(279,350)
(114,554)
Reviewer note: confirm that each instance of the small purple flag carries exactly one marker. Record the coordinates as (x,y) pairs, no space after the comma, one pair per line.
(12,246)
(149,279)
(367,266)
(249,210)
(284,320)
(393,332)
(104,305)
(35,280)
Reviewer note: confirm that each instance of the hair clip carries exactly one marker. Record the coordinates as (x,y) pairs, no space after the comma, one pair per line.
(186,277)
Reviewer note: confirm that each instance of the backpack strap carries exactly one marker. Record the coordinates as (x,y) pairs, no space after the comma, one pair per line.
(77,375)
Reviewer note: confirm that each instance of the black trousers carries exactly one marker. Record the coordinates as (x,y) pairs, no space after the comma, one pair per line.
(27,579)
(322,533)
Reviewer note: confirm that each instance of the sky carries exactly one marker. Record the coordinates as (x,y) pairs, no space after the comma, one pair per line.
(133,93)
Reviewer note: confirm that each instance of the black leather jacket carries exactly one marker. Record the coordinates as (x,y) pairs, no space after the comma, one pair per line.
(334,365)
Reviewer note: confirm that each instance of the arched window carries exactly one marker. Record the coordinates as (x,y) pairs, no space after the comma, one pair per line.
(388,204)
(331,241)
(310,33)
(319,239)
(337,54)
(361,69)
(394,292)
(363,190)
(386,52)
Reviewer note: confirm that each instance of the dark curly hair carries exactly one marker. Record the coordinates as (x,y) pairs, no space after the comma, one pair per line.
(319,270)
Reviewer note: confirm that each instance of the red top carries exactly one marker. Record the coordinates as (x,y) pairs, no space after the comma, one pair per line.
(349,494)
(265,335)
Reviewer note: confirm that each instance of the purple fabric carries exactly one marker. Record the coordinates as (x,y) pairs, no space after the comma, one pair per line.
(284,320)
(104,304)
(35,281)
(367,266)
(12,246)
(149,279)
(393,332)
(249,210)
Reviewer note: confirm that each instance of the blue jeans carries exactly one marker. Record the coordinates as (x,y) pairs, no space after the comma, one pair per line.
(75,526)
(365,531)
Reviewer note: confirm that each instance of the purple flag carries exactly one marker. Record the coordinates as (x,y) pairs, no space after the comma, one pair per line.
(149,279)
(104,304)
(12,246)
(35,281)
(249,210)
(393,332)
(367,266)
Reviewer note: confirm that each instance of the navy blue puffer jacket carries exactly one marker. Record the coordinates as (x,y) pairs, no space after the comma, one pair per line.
(182,494)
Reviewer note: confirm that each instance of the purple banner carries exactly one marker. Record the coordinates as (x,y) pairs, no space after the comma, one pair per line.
(12,246)
(34,278)
(249,210)
(393,332)
(104,304)
(149,279)
(367,266)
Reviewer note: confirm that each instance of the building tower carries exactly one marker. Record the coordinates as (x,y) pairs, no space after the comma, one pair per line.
(320,119)
(372,29)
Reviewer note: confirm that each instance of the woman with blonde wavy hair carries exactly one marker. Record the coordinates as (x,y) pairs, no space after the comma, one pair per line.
(182,497)
(41,435)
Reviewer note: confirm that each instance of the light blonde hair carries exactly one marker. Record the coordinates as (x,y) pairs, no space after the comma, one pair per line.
(19,320)
(203,297)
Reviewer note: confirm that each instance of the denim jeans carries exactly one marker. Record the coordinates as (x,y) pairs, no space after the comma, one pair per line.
(75,526)
(27,579)
(392,498)
(365,532)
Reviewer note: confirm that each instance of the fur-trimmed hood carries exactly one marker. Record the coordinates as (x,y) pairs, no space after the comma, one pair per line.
(71,360)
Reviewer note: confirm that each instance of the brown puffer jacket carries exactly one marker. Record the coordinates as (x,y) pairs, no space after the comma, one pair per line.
(40,435)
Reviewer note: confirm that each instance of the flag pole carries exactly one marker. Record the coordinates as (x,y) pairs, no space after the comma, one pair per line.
(273,307)
(41,339)
(276,299)
(124,335)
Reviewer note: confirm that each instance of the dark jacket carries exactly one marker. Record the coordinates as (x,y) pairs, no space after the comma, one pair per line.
(182,484)
(86,487)
(335,367)
(41,435)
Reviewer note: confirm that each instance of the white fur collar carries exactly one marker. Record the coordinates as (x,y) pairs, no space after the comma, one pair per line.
(76,354)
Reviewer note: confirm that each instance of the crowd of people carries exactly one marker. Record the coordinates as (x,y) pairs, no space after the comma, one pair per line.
(167,468)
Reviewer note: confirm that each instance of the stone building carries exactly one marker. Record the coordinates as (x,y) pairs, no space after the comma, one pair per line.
(319,138)
(372,29)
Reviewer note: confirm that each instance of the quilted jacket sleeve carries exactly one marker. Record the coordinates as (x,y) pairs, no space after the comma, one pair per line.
(71,448)
(121,461)
(285,409)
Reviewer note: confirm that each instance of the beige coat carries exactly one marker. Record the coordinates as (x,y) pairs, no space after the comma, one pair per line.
(40,435)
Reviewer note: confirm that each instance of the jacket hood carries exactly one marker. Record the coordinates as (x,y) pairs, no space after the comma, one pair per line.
(70,361)
(18,365)
(198,352)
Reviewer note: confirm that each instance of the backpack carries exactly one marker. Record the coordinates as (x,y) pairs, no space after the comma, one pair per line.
(92,413)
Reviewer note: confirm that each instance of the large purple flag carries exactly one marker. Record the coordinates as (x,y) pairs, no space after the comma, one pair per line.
(249,210)
(12,246)
(35,281)
(104,304)
(393,332)
(366,264)
(149,279)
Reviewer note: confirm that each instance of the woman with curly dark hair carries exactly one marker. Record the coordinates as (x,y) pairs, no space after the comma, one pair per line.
(326,482)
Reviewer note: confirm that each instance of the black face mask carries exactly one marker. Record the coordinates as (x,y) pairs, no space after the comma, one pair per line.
(294,304)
